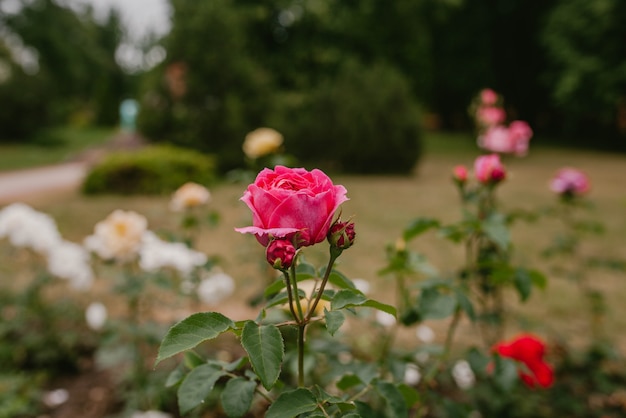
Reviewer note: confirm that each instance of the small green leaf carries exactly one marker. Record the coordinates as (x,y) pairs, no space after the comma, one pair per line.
(291,404)
(538,279)
(192,360)
(523,283)
(265,348)
(237,396)
(340,281)
(192,331)
(411,396)
(305,269)
(275,287)
(334,320)
(175,376)
(279,299)
(465,303)
(495,228)
(197,386)
(347,381)
(505,374)
(371,303)
(478,361)
(347,298)
(436,305)
(419,226)
(394,399)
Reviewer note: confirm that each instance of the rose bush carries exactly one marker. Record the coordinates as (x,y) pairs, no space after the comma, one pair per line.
(292,203)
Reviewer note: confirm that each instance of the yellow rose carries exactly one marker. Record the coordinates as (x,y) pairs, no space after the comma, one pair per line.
(189,195)
(262,141)
(119,236)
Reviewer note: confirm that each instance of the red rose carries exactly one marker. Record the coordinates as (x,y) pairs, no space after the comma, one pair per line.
(529,351)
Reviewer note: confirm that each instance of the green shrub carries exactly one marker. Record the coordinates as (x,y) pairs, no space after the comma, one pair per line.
(364,120)
(156,169)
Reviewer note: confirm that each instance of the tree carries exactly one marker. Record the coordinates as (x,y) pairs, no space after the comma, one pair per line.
(77,56)
(586,42)
(208,93)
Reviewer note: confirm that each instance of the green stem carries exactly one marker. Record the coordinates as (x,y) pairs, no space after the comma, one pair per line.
(301,330)
(450,333)
(294,280)
(329,267)
(290,296)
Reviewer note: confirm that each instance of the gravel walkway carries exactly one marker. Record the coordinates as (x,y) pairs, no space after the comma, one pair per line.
(25,184)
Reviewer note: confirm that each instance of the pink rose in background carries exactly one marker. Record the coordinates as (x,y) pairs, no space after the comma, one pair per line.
(497,139)
(490,115)
(292,202)
(488,169)
(570,181)
(488,97)
(528,350)
(520,133)
(511,140)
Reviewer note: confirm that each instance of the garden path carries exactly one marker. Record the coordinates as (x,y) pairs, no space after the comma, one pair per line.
(41,181)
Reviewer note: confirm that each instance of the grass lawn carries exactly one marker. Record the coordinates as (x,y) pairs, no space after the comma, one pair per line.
(59,145)
(383,205)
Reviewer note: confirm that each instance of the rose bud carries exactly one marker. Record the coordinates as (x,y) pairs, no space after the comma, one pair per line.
(341,235)
(459,174)
(280,253)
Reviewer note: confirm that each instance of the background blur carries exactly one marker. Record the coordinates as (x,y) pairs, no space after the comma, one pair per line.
(366,74)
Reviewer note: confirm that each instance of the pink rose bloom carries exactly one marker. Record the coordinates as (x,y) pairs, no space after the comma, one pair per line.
(490,115)
(529,351)
(497,139)
(292,203)
(488,169)
(459,173)
(570,181)
(488,97)
(520,135)
(511,140)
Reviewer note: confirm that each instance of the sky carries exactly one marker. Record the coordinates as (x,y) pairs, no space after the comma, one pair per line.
(141,18)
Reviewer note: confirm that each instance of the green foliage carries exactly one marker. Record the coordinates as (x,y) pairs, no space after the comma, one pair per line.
(264,345)
(152,170)
(362,120)
(25,98)
(225,93)
(40,335)
(587,58)
(190,332)
(19,394)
